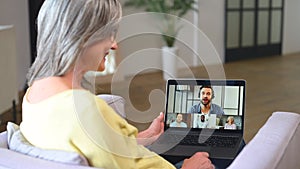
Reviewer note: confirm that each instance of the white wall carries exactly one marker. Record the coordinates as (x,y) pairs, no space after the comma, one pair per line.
(8,89)
(291,35)
(138,42)
(212,23)
(15,12)
(209,45)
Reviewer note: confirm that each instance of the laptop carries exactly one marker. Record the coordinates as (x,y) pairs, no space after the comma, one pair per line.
(202,131)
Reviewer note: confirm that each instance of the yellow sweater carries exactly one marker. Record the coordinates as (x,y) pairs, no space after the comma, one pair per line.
(78,121)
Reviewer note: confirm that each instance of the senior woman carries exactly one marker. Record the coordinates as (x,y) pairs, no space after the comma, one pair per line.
(74,36)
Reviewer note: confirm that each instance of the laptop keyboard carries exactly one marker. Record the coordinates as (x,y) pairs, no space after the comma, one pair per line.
(213,141)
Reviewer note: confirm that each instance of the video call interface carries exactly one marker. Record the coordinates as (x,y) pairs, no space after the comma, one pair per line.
(185,102)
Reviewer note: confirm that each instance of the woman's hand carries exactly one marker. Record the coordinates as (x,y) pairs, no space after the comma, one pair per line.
(199,160)
(151,134)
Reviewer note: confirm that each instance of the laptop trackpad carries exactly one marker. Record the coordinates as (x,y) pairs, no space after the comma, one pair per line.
(187,150)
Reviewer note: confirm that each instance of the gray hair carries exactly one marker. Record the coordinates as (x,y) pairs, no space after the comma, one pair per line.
(230,117)
(65,28)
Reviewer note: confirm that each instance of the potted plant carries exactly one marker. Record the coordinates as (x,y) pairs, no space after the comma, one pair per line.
(172,11)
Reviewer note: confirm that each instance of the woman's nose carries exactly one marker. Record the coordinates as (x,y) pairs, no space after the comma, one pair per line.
(114,46)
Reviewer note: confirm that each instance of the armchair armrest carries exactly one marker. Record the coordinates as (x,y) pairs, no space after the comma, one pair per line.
(276,145)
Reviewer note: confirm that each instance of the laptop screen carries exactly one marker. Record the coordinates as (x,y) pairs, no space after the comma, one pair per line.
(211,104)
